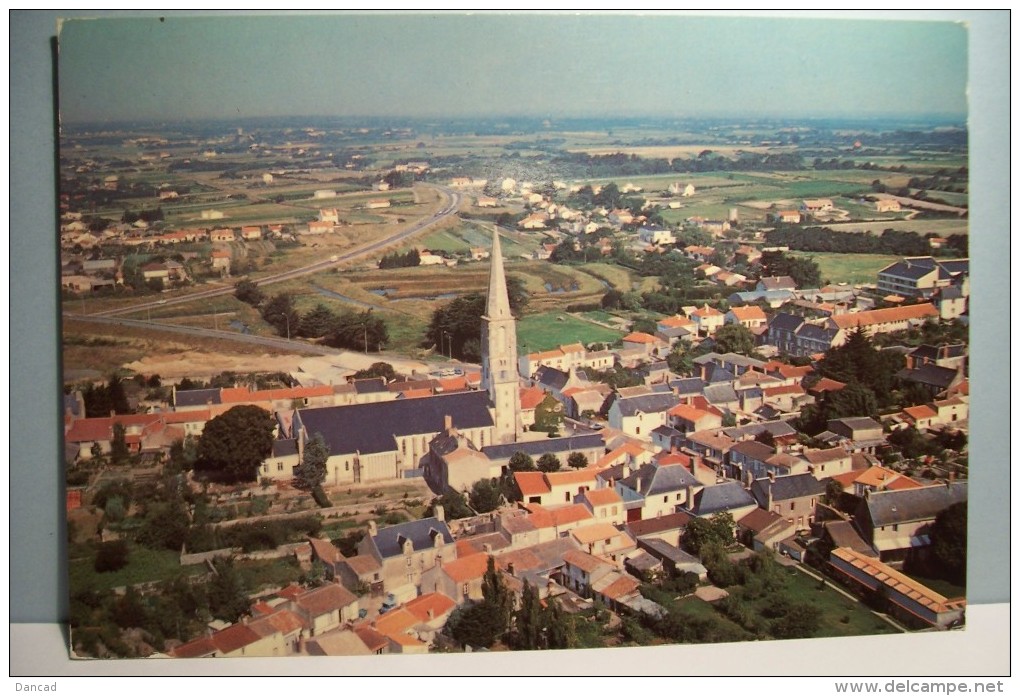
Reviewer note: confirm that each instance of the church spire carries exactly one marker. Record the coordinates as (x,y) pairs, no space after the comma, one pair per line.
(499,353)
(497,304)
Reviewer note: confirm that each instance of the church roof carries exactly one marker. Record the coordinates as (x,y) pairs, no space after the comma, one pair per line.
(372,428)
(497,302)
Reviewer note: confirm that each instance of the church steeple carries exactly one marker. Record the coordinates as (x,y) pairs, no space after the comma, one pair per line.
(499,351)
(497,303)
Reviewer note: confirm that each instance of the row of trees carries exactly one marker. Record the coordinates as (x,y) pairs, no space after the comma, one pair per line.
(348,329)
(825,239)
(456,328)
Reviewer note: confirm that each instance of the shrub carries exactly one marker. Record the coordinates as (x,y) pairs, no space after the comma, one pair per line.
(112,555)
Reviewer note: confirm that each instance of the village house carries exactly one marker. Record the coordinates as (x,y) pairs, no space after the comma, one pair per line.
(921,276)
(655,490)
(794,497)
(405,551)
(897,523)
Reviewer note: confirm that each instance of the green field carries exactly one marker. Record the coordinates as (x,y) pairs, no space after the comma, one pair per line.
(848,268)
(144,565)
(941,227)
(835,608)
(538,332)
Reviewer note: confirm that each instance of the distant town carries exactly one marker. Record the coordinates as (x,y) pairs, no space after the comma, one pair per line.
(356,386)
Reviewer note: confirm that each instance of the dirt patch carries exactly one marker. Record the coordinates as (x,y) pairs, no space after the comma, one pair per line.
(202,365)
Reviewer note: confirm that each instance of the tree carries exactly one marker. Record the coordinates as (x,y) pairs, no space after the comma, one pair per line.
(485,496)
(119,452)
(734,338)
(311,472)
(248,292)
(949,542)
(317,323)
(454,506)
(804,271)
(700,532)
(282,315)
(577,460)
(377,369)
(234,444)
(521,461)
(496,596)
(800,620)
(112,555)
(548,462)
(528,621)
(228,596)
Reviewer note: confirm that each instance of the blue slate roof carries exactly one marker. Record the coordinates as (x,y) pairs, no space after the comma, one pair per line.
(787,488)
(649,403)
(551,377)
(371,428)
(196,397)
(283,448)
(721,497)
(653,479)
(785,322)
(537,448)
(390,540)
(913,504)
(688,386)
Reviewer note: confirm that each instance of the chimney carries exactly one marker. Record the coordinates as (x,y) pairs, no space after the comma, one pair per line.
(373,530)
(439,513)
(510,568)
(487,548)
(638,484)
(447,422)
(690,496)
(432,614)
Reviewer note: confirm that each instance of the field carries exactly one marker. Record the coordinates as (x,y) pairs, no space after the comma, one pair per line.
(848,268)
(941,227)
(537,332)
(144,565)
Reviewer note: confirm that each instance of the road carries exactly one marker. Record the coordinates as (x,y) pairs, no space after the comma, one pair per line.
(453,201)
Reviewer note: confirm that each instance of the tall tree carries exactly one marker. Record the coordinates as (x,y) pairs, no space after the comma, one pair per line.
(311,472)
(548,462)
(485,496)
(577,460)
(734,338)
(234,444)
(119,453)
(949,542)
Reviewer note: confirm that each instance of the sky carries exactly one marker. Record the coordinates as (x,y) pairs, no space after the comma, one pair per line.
(360,64)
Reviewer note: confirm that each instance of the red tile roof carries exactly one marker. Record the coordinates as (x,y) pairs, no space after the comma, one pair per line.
(200,647)
(639,337)
(602,496)
(233,638)
(435,602)
(531,482)
(531,397)
(325,599)
(883,316)
(468,568)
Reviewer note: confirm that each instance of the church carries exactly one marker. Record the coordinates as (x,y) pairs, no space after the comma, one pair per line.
(388,439)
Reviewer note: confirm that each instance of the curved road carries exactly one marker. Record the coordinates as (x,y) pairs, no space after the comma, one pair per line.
(454,199)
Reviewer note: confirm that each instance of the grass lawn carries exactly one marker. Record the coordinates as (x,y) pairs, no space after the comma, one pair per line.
(848,268)
(275,572)
(835,608)
(144,565)
(537,332)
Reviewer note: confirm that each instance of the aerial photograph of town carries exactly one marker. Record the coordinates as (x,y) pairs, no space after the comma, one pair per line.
(431,334)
